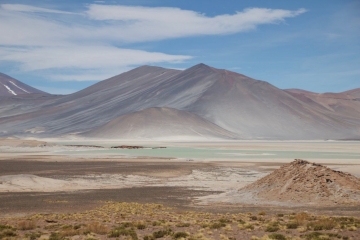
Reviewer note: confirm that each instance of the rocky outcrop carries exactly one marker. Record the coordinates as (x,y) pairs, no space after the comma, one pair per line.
(128,147)
(306,183)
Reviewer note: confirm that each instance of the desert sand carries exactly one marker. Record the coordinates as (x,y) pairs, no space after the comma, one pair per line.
(56,188)
(53,167)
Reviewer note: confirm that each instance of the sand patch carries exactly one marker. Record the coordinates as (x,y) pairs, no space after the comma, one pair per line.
(33,183)
(211,179)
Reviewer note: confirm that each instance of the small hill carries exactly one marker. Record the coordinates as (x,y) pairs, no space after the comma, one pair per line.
(11,87)
(160,123)
(15,142)
(301,182)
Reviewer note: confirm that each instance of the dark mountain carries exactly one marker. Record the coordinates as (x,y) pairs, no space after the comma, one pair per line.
(248,108)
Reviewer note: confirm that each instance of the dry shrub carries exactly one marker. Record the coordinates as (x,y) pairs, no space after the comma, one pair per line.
(182,224)
(352,228)
(178,235)
(26,225)
(68,232)
(322,224)
(140,226)
(301,218)
(272,227)
(292,225)
(277,236)
(262,213)
(98,228)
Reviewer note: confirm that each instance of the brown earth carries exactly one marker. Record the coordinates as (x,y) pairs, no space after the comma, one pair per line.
(307,183)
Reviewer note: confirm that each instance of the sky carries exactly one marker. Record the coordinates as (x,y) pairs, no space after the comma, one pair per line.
(64,46)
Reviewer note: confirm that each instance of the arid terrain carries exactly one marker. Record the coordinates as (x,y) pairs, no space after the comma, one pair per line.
(61,188)
(179,120)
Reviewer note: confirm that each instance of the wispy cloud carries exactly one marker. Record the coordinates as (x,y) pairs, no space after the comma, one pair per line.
(27,8)
(75,56)
(38,38)
(144,23)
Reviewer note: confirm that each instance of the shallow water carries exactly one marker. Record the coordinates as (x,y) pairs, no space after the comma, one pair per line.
(213,153)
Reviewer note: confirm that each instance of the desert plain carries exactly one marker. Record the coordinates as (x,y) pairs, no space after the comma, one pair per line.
(45,183)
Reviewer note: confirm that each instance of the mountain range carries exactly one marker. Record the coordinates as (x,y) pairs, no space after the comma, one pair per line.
(201,102)
(11,87)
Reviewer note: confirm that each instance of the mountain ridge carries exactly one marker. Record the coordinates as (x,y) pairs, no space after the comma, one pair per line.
(250,108)
(12,87)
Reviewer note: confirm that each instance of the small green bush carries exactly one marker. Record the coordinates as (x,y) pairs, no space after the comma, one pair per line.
(33,235)
(217,225)
(240,221)
(249,226)
(140,226)
(292,225)
(156,223)
(7,233)
(180,235)
(161,233)
(121,231)
(76,227)
(254,218)
(3,227)
(277,236)
(55,236)
(149,237)
(272,229)
(126,224)
(224,220)
(183,224)
(313,236)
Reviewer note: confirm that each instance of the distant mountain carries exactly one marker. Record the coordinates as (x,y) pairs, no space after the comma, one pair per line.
(160,123)
(354,92)
(344,106)
(11,87)
(201,96)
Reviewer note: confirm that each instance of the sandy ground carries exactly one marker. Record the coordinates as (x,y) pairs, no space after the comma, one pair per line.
(37,174)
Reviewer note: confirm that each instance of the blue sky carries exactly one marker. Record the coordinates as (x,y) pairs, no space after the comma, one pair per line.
(64,46)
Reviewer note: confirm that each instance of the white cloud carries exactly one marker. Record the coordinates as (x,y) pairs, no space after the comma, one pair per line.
(144,23)
(27,8)
(31,59)
(85,76)
(89,40)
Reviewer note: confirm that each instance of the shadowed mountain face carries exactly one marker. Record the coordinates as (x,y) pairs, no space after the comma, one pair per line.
(12,87)
(205,96)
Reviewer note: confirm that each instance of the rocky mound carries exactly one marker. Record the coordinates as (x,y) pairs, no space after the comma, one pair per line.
(302,182)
